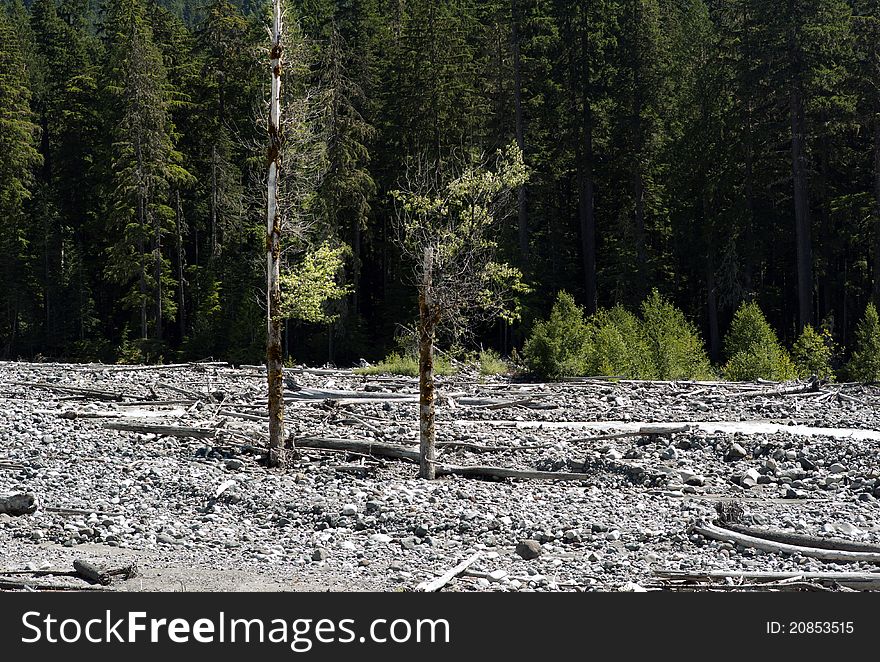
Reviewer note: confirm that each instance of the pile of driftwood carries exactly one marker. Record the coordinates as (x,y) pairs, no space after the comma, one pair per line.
(777,542)
(85,576)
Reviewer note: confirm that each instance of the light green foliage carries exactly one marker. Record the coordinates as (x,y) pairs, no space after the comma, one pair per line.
(812,353)
(865,363)
(456,219)
(674,347)
(491,363)
(556,347)
(306,288)
(661,345)
(615,347)
(753,349)
(405,365)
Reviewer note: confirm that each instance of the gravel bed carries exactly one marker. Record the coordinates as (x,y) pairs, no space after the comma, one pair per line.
(198,514)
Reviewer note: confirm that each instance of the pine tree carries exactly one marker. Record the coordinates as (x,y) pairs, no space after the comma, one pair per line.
(18,158)
(144,164)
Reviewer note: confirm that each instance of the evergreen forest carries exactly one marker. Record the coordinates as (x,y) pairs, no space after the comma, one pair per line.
(697,154)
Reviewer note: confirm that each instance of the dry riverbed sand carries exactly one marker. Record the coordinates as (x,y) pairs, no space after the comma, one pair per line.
(201,513)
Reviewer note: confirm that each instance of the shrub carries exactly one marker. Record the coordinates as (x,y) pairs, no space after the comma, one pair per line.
(674,347)
(405,365)
(812,353)
(865,363)
(491,363)
(614,346)
(556,347)
(753,349)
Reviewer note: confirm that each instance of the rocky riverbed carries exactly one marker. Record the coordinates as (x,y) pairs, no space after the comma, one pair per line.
(193,506)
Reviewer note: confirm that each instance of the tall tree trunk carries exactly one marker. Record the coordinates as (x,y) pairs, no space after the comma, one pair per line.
(801,209)
(157,273)
(587,187)
(214,197)
(181,301)
(877,208)
(427,324)
(274,366)
(712,308)
(522,217)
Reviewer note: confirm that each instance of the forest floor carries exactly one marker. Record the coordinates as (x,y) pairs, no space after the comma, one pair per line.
(182,494)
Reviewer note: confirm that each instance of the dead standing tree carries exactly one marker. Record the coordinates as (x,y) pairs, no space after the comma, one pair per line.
(273,252)
(296,142)
(447,219)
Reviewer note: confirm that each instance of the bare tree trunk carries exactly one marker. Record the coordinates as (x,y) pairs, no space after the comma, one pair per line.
(181,313)
(877,208)
(801,210)
(214,196)
(587,186)
(712,306)
(522,217)
(274,366)
(427,323)
(157,273)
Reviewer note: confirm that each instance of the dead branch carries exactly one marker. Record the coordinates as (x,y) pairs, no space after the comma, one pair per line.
(449,575)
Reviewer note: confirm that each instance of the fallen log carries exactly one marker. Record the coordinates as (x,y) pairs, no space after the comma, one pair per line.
(87,392)
(319,394)
(812,386)
(803,540)
(653,431)
(101,576)
(448,576)
(164,430)
(503,472)
(35,585)
(863,581)
(717,533)
(394,451)
(18,504)
(375,448)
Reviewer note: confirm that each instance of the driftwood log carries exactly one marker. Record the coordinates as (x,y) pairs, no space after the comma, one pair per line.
(18,504)
(164,430)
(102,576)
(803,540)
(863,581)
(377,449)
(717,533)
(448,576)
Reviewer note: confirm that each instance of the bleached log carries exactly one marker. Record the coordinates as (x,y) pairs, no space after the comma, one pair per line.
(378,449)
(164,430)
(717,533)
(802,540)
(87,392)
(863,581)
(477,471)
(448,576)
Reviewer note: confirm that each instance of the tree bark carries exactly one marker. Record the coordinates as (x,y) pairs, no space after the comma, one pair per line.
(801,209)
(712,306)
(274,368)
(587,187)
(877,208)
(181,301)
(522,217)
(427,323)
(142,284)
